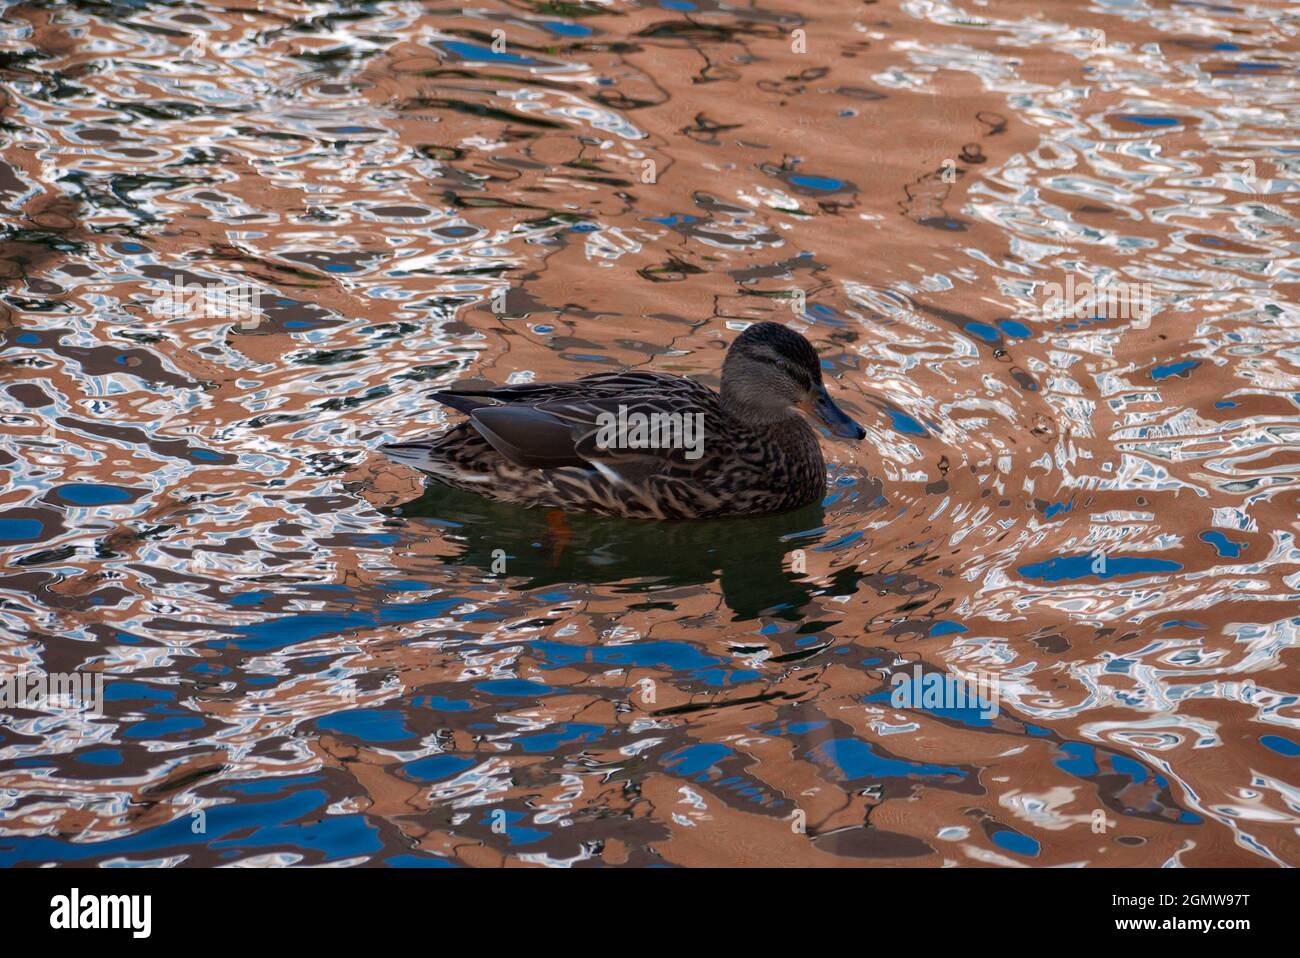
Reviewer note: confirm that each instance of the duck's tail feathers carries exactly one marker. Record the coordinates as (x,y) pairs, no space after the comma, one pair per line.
(463,402)
(419,455)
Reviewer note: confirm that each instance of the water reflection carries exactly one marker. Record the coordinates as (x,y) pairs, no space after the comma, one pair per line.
(752,560)
(1094,505)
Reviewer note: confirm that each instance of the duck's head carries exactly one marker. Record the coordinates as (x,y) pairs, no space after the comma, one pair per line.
(771,371)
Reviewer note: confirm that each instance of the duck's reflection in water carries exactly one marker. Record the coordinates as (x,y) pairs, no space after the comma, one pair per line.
(759,564)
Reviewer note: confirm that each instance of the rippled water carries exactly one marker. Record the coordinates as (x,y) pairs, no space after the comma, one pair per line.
(309,659)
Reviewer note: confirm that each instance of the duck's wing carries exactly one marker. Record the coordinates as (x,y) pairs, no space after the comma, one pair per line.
(551,425)
(528,436)
(601,385)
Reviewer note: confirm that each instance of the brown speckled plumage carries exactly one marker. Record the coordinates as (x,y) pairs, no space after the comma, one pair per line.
(535,444)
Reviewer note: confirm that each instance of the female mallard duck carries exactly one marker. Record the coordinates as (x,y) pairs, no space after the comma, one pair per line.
(647,445)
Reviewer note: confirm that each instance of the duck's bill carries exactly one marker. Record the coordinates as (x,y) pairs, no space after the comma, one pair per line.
(835,418)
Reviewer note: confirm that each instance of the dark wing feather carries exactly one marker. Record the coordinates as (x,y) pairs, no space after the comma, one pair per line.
(585,418)
(598,385)
(549,425)
(462,402)
(528,436)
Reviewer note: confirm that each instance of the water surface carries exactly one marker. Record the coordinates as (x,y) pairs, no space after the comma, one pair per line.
(310,659)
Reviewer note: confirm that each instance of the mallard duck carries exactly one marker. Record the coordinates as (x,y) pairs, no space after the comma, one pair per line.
(646,445)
